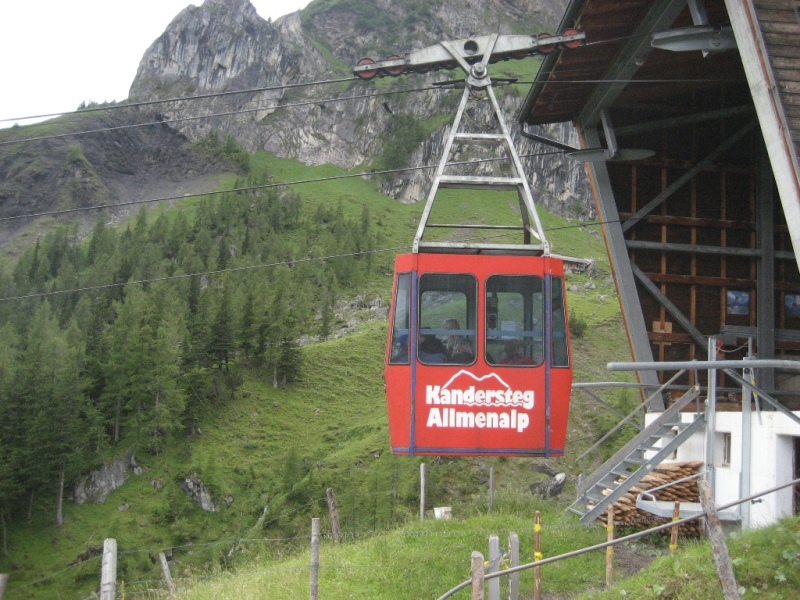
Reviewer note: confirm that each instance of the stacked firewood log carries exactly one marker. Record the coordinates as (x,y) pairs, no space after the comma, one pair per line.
(628,516)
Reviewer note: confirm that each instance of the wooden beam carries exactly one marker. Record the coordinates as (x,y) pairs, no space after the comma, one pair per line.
(686,177)
(661,15)
(774,128)
(718,546)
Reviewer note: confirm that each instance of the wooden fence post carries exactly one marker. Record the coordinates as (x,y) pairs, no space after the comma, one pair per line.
(3,580)
(333,510)
(673,533)
(476,571)
(493,591)
(537,555)
(491,490)
(610,549)
(108,570)
(422,491)
(718,546)
(314,573)
(513,556)
(167,576)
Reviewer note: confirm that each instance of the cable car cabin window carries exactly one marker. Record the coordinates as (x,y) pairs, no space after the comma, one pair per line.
(447,310)
(560,352)
(400,320)
(514,320)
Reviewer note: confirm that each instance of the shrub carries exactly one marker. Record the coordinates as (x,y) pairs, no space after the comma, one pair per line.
(577,325)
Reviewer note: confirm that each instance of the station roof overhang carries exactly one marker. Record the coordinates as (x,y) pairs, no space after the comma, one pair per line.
(619,69)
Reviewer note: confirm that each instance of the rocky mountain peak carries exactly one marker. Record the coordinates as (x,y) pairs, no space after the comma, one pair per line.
(233,5)
(224,46)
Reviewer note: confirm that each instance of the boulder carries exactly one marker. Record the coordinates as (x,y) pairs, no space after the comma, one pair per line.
(199,494)
(96,486)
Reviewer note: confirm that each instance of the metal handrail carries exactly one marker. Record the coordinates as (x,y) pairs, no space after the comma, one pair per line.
(630,416)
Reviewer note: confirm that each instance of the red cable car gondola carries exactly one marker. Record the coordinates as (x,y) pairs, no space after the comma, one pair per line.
(478,359)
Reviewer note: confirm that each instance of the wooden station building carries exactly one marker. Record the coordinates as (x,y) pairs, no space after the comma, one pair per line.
(691,111)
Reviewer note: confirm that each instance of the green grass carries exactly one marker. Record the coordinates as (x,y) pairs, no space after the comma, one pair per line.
(766,564)
(422,559)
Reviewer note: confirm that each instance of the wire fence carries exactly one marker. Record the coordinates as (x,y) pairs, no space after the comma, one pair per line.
(141,573)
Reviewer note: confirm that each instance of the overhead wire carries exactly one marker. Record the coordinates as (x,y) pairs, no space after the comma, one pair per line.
(138,104)
(308,84)
(240,111)
(248,188)
(289,262)
(213,115)
(91,109)
(251,188)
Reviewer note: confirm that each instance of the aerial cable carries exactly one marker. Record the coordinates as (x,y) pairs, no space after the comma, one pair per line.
(340,99)
(261,266)
(223,114)
(198,274)
(251,188)
(181,99)
(275,88)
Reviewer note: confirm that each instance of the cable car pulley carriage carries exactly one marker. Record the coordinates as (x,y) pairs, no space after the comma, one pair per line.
(478,359)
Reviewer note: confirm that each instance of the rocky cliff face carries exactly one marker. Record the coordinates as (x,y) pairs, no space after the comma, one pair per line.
(223,46)
(118,163)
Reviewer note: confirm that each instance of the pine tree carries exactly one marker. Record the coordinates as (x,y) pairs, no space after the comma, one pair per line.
(10,428)
(247,328)
(221,340)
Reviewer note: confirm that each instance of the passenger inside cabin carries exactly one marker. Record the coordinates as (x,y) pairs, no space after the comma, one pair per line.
(451,340)
(459,348)
(462,352)
(400,349)
(514,354)
(432,350)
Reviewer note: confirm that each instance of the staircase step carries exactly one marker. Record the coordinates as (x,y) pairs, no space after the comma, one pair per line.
(596,498)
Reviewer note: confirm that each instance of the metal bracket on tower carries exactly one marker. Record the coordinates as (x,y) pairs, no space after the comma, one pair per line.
(473,56)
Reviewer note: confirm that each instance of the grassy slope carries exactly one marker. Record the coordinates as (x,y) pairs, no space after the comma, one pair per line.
(282,448)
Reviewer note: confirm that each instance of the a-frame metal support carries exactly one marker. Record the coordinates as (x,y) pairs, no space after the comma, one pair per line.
(517,181)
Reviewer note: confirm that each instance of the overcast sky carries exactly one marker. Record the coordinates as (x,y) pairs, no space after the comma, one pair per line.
(59,53)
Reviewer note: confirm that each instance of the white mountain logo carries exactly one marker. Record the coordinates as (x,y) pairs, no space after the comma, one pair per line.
(490,391)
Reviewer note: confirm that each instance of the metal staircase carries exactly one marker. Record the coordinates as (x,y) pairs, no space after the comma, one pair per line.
(636,459)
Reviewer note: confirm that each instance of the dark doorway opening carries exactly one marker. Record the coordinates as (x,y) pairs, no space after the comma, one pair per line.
(796,475)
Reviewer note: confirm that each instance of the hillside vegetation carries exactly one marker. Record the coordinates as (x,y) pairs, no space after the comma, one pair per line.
(269,424)
(198,368)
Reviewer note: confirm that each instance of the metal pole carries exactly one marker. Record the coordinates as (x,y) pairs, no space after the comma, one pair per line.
(747,425)
(610,549)
(674,365)
(537,555)
(491,490)
(711,414)
(422,491)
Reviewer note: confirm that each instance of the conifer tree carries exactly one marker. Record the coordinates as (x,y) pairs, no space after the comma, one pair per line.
(221,340)
(247,327)
(10,429)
